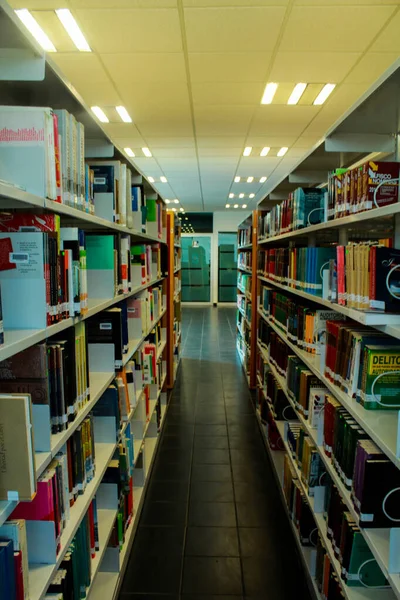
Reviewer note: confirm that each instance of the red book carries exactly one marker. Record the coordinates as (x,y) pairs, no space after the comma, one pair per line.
(57,157)
(19,576)
(5,251)
(42,507)
(372,273)
(17,222)
(91,530)
(341,281)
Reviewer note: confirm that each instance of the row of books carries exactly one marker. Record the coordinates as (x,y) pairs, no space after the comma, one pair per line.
(59,267)
(303,207)
(364,364)
(244,260)
(52,143)
(245,306)
(304,326)
(244,236)
(244,282)
(372,185)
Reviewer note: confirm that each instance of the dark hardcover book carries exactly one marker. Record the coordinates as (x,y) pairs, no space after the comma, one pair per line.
(7,570)
(104,180)
(106,328)
(66,341)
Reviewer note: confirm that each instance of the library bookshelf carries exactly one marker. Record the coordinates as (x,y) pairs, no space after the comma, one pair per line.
(349,151)
(174,296)
(136,431)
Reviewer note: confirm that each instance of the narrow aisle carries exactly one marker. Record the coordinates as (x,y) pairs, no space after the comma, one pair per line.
(213,523)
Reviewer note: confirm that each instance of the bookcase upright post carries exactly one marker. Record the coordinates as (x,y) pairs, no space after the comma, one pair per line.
(254,296)
(174,284)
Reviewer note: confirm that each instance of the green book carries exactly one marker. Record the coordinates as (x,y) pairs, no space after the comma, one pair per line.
(381,384)
(370,572)
(99,252)
(151,206)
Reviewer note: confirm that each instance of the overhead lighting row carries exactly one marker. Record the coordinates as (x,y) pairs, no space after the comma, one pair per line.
(248,150)
(146,152)
(241,195)
(235,206)
(67,21)
(162,179)
(298,91)
(249,179)
(102,117)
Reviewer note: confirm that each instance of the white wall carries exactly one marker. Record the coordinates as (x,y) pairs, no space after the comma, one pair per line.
(224,221)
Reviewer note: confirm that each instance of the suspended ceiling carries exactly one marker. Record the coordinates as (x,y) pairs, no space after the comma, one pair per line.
(191,74)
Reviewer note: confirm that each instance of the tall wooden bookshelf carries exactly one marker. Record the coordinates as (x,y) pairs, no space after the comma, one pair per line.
(174,295)
(147,414)
(381,426)
(246,321)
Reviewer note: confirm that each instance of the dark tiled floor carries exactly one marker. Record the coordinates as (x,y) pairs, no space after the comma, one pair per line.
(212,526)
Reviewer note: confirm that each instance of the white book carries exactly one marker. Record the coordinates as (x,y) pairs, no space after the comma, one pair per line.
(24,138)
(122,195)
(63,130)
(129,215)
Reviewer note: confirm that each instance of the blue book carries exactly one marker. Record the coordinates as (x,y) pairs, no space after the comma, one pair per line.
(136,198)
(108,406)
(323,256)
(103,178)
(7,570)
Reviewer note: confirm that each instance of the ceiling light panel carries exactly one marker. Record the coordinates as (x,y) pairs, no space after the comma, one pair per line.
(34,28)
(73,30)
(247,151)
(150,179)
(227,205)
(324,94)
(236,206)
(123,113)
(282,151)
(100,114)
(263,179)
(250,179)
(163,179)
(269,93)
(244,205)
(129,152)
(241,195)
(251,195)
(146,152)
(265,151)
(237,179)
(297,93)
(231,195)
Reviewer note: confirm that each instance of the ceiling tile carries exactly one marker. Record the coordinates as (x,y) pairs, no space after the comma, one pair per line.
(168,122)
(306,141)
(270,141)
(311,67)
(145,30)
(280,120)
(222,120)
(233,3)
(371,67)
(99,94)
(115,4)
(121,130)
(76,66)
(228,30)
(169,165)
(227,93)
(146,99)
(221,152)
(318,28)
(344,3)
(39,4)
(389,39)
(170,142)
(220,142)
(177,153)
(51,24)
(131,141)
(144,67)
(228,67)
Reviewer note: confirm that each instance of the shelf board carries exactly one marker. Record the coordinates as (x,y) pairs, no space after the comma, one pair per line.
(6,508)
(16,340)
(106,519)
(245,270)
(385,321)
(135,344)
(177,269)
(40,576)
(381,425)
(245,247)
(359,218)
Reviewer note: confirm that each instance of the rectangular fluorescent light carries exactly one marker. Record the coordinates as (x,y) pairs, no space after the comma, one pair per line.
(297,93)
(71,27)
(237,179)
(250,179)
(269,93)
(244,205)
(263,179)
(324,93)
(129,152)
(147,152)
(231,195)
(33,26)
(247,151)
(265,151)
(163,179)
(282,151)
(251,195)
(241,195)
(100,114)
(150,179)
(123,113)
(227,205)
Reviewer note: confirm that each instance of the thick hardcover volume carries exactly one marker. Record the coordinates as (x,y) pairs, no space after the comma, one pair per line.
(106,328)
(7,571)
(17,456)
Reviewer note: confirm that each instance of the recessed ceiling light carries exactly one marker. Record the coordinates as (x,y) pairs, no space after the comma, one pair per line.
(163,179)
(227,205)
(237,179)
(236,206)
(247,151)
(130,152)
(123,113)
(71,27)
(282,151)
(265,151)
(324,93)
(297,93)
(231,195)
(176,201)
(150,179)
(147,152)
(250,179)
(251,195)
(186,218)
(167,201)
(174,209)
(269,93)
(241,195)
(244,205)
(100,114)
(33,26)
(263,179)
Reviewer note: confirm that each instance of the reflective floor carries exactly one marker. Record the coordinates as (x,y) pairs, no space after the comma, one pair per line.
(212,523)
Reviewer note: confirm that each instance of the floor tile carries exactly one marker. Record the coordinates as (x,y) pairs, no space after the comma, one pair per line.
(212,491)
(161,574)
(163,513)
(160,540)
(212,541)
(210,430)
(211,456)
(212,576)
(211,514)
(211,441)
(211,473)
(167,491)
